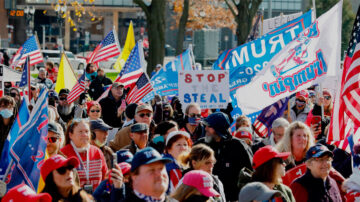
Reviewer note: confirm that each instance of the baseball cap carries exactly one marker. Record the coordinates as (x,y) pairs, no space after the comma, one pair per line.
(117,84)
(90,104)
(327,92)
(143,107)
(311,93)
(22,192)
(318,150)
(138,127)
(64,91)
(202,181)
(99,124)
(125,167)
(303,93)
(56,162)
(257,191)
(243,132)
(53,128)
(267,153)
(124,155)
(219,121)
(146,156)
(53,94)
(175,133)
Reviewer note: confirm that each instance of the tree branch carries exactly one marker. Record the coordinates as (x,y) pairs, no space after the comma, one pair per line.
(230,7)
(144,7)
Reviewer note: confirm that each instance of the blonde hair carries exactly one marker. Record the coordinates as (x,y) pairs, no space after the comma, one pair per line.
(285,144)
(199,152)
(182,192)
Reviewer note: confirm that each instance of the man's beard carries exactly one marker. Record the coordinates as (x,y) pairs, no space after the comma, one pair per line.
(65,110)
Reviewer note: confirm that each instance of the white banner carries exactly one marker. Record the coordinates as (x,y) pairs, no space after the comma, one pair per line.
(208,88)
(273,23)
(309,59)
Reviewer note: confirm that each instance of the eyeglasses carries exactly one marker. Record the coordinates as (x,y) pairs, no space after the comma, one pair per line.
(63,98)
(192,115)
(145,114)
(52,139)
(63,170)
(93,111)
(327,97)
(14,94)
(323,160)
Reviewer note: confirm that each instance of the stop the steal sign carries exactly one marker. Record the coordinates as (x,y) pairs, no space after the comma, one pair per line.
(208,88)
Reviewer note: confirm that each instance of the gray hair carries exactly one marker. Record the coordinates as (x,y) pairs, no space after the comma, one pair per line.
(280,122)
(42,69)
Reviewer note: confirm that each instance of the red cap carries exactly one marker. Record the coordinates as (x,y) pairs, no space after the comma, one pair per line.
(303,93)
(267,153)
(125,167)
(56,162)
(90,104)
(243,133)
(202,181)
(22,192)
(327,92)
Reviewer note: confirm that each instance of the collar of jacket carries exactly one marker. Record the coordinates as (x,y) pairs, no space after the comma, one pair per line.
(316,182)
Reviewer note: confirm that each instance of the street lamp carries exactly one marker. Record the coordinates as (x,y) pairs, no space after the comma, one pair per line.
(29,13)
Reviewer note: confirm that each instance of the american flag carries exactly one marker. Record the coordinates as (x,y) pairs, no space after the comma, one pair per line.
(30,48)
(133,67)
(77,89)
(140,90)
(25,77)
(347,101)
(108,48)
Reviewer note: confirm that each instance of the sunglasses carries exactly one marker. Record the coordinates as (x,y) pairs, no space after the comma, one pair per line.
(52,139)
(63,170)
(327,97)
(195,115)
(14,94)
(32,88)
(93,111)
(145,114)
(63,98)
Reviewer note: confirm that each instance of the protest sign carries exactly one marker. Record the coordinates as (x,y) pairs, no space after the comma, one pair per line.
(208,88)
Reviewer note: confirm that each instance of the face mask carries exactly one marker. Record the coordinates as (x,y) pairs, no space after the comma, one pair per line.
(6,113)
(197,198)
(99,144)
(91,76)
(194,121)
(208,138)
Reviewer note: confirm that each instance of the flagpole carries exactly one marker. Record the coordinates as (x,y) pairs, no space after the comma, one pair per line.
(8,169)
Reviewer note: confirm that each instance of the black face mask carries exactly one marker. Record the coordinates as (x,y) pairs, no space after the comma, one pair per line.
(197,198)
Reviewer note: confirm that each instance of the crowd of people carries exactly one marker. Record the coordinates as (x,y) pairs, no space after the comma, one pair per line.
(116,151)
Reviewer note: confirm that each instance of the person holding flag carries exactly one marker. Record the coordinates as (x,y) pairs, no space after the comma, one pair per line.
(8,113)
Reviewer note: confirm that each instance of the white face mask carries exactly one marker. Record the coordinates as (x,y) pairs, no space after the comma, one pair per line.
(99,144)
(79,149)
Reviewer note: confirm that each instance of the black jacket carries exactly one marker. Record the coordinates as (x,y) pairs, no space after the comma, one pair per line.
(232,154)
(109,108)
(96,87)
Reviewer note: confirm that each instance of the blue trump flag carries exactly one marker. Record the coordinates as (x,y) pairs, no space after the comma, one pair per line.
(21,118)
(28,150)
(165,82)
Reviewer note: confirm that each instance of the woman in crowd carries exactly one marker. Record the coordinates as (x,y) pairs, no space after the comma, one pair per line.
(92,166)
(269,168)
(8,113)
(93,110)
(297,140)
(176,143)
(58,174)
(197,186)
(161,132)
(201,157)
(193,123)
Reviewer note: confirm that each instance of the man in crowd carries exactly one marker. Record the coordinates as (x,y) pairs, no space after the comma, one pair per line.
(143,114)
(231,153)
(148,176)
(54,139)
(278,128)
(68,111)
(316,184)
(99,134)
(301,109)
(43,80)
(96,87)
(113,106)
(139,137)
(193,123)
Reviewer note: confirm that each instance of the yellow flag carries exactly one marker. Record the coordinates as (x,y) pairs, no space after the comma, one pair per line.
(129,45)
(66,76)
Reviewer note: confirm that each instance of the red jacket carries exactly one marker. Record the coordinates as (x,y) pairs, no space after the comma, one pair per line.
(97,165)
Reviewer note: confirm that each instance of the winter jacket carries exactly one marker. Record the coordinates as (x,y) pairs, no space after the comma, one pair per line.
(109,109)
(308,188)
(301,116)
(96,88)
(232,154)
(197,134)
